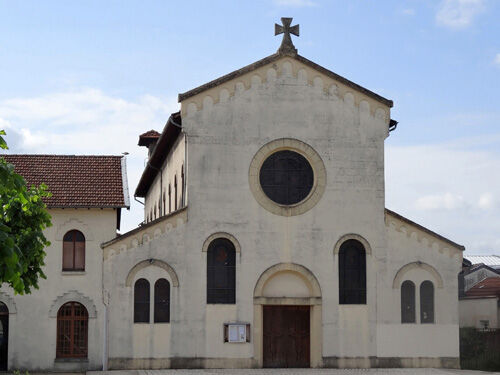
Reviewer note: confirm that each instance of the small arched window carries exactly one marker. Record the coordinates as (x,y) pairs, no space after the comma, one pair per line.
(162,301)
(352,273)
(407,302)
(73,251)
(221,272)
(72,331)
(183,187)
(141,301)
(426,302)
(175,192)
(169,198)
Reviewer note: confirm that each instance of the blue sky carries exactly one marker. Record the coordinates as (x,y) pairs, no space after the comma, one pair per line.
(88,77)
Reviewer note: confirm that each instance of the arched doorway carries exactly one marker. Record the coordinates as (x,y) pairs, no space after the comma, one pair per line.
(287,317)
(72,331)
(4,336)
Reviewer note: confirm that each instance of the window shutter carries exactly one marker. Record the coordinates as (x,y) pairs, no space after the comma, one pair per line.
(79,256)
(67,256)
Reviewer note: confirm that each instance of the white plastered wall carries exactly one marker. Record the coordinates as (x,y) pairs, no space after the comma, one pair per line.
(170,169)
(32,336)
(473,310)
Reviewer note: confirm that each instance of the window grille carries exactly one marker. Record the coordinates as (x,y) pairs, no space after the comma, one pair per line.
(162,301)
(408,302)
(72,331)
(426,302)
(221,272)
(352,273)
(141,301)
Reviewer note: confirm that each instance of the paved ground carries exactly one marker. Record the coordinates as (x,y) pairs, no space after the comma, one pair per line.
(294,372)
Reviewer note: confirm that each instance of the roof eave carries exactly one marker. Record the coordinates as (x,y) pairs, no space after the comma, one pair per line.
(426,230)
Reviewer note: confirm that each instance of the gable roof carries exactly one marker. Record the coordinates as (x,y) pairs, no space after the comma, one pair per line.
(424,229)
(492,261)
(150,136)
(273,58)
(160,151)
(489,287)
(76,181)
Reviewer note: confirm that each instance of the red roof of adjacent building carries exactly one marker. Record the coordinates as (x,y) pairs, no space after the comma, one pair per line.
(150,136)
(489,287)
(74,180)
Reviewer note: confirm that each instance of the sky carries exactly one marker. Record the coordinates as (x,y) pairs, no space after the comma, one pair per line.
(88,77)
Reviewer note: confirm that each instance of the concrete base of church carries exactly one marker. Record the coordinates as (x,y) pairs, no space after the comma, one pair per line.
(328,362)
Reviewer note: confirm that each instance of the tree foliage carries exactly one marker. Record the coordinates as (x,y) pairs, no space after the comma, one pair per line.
(24,216)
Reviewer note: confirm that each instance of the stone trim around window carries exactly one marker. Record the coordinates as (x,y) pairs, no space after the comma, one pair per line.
(314,160)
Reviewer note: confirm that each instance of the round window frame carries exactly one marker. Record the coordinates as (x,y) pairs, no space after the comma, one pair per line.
(314,160)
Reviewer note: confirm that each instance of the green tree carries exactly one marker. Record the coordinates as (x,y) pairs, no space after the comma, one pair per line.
(23,218)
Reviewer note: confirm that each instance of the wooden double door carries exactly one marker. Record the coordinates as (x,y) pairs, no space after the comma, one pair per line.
(286,336)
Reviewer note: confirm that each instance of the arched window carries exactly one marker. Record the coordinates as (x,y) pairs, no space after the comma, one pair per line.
(352,273)
(183,187)
(175,192)
(407,302)
(164,206)
(162,301)
(426,302)
(74,251)
(141,301)
(169,198)
(221,271)
(72,331)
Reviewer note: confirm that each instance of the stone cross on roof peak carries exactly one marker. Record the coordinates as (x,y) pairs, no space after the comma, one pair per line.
(287,47)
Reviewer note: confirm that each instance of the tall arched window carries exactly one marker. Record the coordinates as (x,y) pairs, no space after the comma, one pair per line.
(352,273)
(175,192)
(141,301)
(407,302)
(221,271)
(169,198)
(162,301)
(426,302)
(72,331)
(183,187)
(74,251)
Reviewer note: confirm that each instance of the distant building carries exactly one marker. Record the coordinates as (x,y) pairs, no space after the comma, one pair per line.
(480,306)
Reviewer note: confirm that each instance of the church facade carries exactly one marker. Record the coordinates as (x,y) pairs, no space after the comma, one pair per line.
(266,241)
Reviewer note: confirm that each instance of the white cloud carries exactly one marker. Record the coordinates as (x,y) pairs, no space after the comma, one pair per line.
(442,186)
(86,121)
(296,3)
(447,201)
(458,14)
(497,59)
(486,201)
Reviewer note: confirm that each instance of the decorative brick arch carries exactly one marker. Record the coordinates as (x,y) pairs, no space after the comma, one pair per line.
(152,262)
(225,235)
(73,224)
(352,236)
(9,302)
(73,296)
(417,265)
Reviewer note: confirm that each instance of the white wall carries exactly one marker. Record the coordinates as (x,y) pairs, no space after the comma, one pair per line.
(473,310)
(32,336)
(171,169)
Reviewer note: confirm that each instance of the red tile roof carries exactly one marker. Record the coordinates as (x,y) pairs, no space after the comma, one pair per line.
(74,180)
(487,288)
(150,134)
